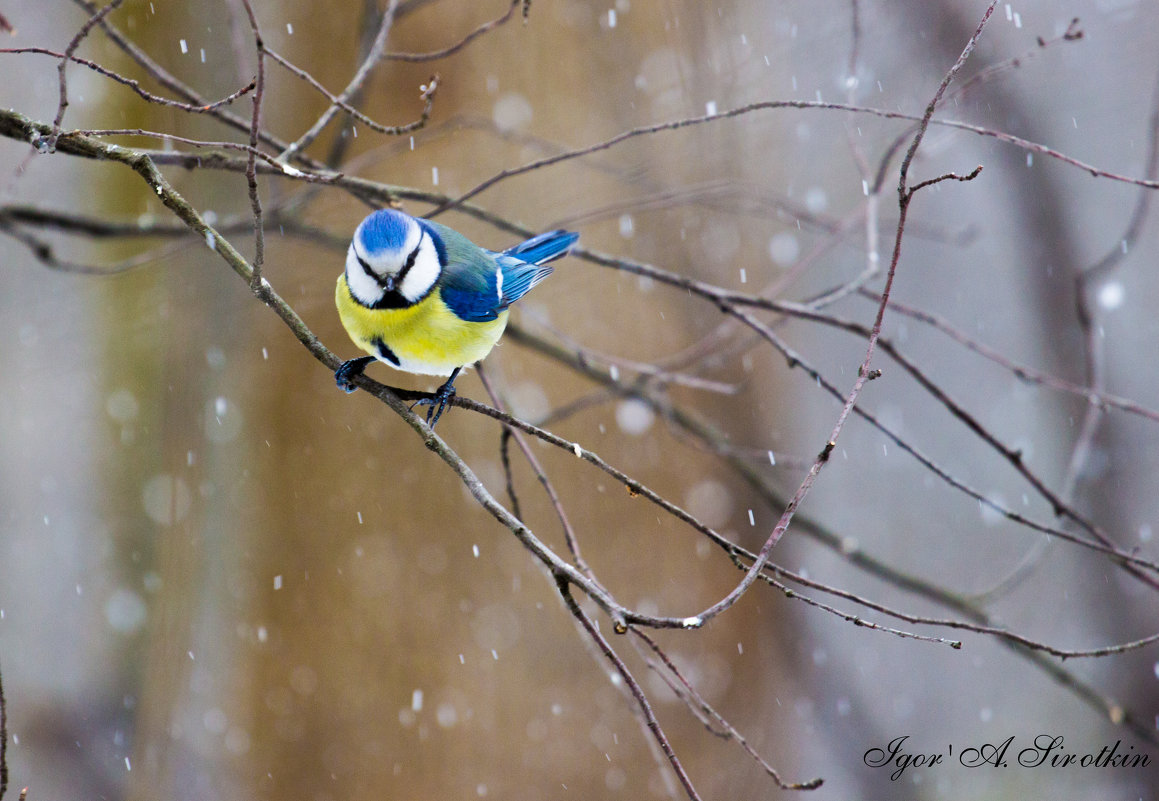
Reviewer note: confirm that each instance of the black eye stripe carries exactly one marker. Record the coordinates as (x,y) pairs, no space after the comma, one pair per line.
(410,262)
(371,274)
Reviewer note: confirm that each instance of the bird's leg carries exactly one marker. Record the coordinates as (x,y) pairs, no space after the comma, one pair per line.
(440,400)
(344,376)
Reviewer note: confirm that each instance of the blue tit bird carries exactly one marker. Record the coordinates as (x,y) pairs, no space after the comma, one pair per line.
(425,299)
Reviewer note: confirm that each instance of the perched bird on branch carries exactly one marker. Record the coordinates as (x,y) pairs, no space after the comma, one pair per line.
(425,299)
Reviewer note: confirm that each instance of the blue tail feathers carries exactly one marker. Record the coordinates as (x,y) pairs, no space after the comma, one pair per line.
(525,265)
(544,248)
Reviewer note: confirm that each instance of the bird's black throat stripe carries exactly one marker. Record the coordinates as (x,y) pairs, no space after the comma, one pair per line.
(384,352)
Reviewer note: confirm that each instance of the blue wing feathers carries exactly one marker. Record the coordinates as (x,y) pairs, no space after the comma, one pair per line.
(468,284)
(473,302)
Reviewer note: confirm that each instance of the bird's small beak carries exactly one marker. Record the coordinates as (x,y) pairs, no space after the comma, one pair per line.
(388,285)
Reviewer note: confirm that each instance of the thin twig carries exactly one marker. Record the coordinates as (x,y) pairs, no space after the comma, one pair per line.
(173,84)
(552,496)
(272,165)
(368,26)
(1017,141)
(251,175)
(46,255)
(950,176)
(133,84)
(1029,374)
(151,227)
(651,371)
(426,94)
(978,628)
(633,133)
(166,79)
(698,705)
(360,76)
(435,55)
(62,104)
(858,620)
(1072,34)
(633,686)
(505,459)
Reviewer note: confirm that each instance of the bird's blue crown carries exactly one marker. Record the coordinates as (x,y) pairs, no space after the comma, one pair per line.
(385,230)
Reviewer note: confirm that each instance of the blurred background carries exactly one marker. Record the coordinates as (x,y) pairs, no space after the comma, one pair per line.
(220,577)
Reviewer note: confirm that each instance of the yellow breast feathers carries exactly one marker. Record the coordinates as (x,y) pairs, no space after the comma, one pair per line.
(425,338)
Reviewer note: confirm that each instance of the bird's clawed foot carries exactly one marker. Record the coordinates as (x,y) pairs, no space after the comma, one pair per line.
(440,400)
(344,376)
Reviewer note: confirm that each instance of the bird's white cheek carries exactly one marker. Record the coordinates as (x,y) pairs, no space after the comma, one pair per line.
(364,288)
